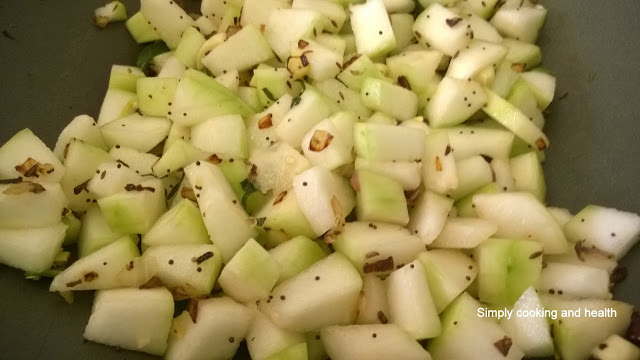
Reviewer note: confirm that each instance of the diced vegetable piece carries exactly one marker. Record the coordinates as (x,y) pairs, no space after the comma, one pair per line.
(442,29)
(182,224)
(372,28)
(27,157)
(168,19)
(132,319)
(241,51)
(32,250)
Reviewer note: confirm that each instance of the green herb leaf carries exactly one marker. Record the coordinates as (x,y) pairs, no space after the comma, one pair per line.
(296,100)
(268,94)
(149,52)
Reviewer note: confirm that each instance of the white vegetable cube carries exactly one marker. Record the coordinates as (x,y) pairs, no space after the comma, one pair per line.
(265,339)
(506,269)
(276,166)
(254,12)
(521,216)
(310,108)
(182,224)
(155,94)
(377,248)
(178,155)
(380,198)
(323,61)
(449,273)
(31,205)
(616,348)
(543,86)
(111,178)
(287,26)
(464,233)
(389,142)
(26,156)
(32,250)
(82,127)
(347,99)
(95,232)
(407,173)
(251,273)
(356,70)
(116,104)
(472,60)
(439,171)
(335,14)
(607,229)
(393,100)
(245,49)
(529,331)
(325,294)
(137,132)
(521,22)
(473,173)
(199,97)
(226,136)
(99,269)
(296,255)
(324,197)
(411,305)
(226,221)
(442,29)
(140,162)
(454,102)
(574,281)
(215,332)
(282,212)
(168,18)
(124,77)
(417,67)
(373,307)
(132,319)
(429,215)
(326,146)
(372,28)
(134,209)
(371,342)
(188,270)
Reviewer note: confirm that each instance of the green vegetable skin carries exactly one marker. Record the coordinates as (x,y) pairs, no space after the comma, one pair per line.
(319,183)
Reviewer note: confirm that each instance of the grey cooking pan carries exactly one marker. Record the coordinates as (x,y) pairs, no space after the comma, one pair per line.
(54,64)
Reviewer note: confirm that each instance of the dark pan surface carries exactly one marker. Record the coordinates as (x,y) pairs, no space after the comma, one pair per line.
(58,65)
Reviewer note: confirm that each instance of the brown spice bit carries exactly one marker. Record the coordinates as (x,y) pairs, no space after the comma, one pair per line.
(262,27)
(541,144)
(104,173)
(633,331)
(412,196)
(371,254)
(518,67)
(298,66)
(132,187)
(438,164)
(232,30)
(122,163)
(339,221)
(214,159)
(447,150)
(379,266)
(188,193)
(351,61)
(602,346)
(74,283)
(154,282)
(320,140)
(341,95)
(101,21)
(453,22)
(24,187)
(302,44)
(252,173)
(504,345)
(487,158)
(192,309)
(402,81)
(582,250)
(66,150)
(382,318)
(204,257)
(231,339)
(279,198)
(265,122)
(129,266)
(90,276)
(536,254)
(11,181)
(78,189)
(33,168)
(619,274)
(355,73)
(260,221)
